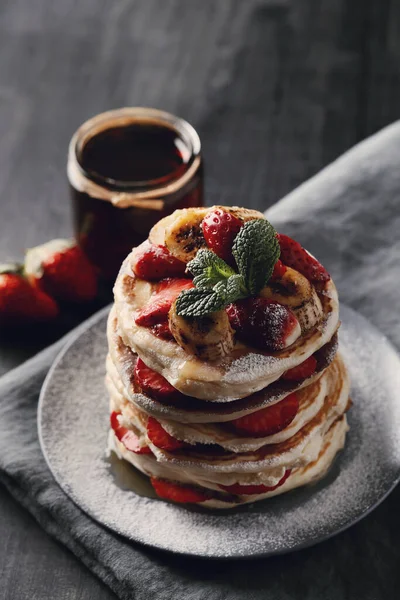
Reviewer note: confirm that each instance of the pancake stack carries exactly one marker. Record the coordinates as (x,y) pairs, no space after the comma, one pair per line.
(224,379)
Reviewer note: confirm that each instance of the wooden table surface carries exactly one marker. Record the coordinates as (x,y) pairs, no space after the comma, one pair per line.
(276,88)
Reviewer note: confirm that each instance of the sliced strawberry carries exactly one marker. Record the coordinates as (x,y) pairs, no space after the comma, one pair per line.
(161,438)
(153,384)
(263,323)
(295,256)
(279,270)
(156,262)
(302,371)
(269,420)
(157,308)
(177,492)
(163,331)
(127,437)
(239,489)
(220,229)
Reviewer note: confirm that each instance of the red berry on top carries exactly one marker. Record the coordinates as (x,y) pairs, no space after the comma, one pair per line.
(61,269)
(153,384)
(296,257)
(302,371)
(21,302)
(161,438)
(176,492)
(279,270)
(240,490)
(157,308)
(127,437)
(156,262)
(162,331)
(269,420)
(263,323)
(220,229)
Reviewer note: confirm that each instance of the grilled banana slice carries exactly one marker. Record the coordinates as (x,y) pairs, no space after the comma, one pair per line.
(210,338)
(294,290)
(182,233)
(158,233)
(184,236)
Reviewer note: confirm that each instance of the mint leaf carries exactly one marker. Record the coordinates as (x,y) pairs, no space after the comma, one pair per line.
(198,303)
(208,269)
(231,289)
(256,251)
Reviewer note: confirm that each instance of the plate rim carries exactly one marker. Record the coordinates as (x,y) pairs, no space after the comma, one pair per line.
(74,337)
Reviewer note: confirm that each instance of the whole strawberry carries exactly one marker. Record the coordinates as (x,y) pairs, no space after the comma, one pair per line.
(20,302)
(60,269)
(220,229)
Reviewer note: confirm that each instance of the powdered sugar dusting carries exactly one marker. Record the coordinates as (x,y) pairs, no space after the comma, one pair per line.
(74,424)
(218,383)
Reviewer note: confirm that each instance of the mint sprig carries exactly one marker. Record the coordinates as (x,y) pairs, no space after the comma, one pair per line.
(255,251)
(208,269)
(217,285)
(198,303)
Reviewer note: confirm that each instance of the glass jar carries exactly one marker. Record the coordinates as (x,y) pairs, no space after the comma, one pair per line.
(128,168)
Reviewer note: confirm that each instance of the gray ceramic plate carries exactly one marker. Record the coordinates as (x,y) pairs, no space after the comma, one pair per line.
(73,427)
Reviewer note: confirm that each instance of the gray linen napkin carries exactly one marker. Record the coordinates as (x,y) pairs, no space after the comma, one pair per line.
(349,216)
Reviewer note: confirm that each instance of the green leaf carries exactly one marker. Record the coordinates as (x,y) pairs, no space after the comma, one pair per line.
(203,282)
(198,303)
(208,269)
(256,251)
(231,289)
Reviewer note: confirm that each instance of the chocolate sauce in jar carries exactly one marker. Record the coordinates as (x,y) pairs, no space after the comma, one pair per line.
(127,169)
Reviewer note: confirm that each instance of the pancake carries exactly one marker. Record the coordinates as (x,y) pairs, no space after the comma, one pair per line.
(217,377)
(311,400)
(247,371)
(297,450)
(122,360)
(333,442)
